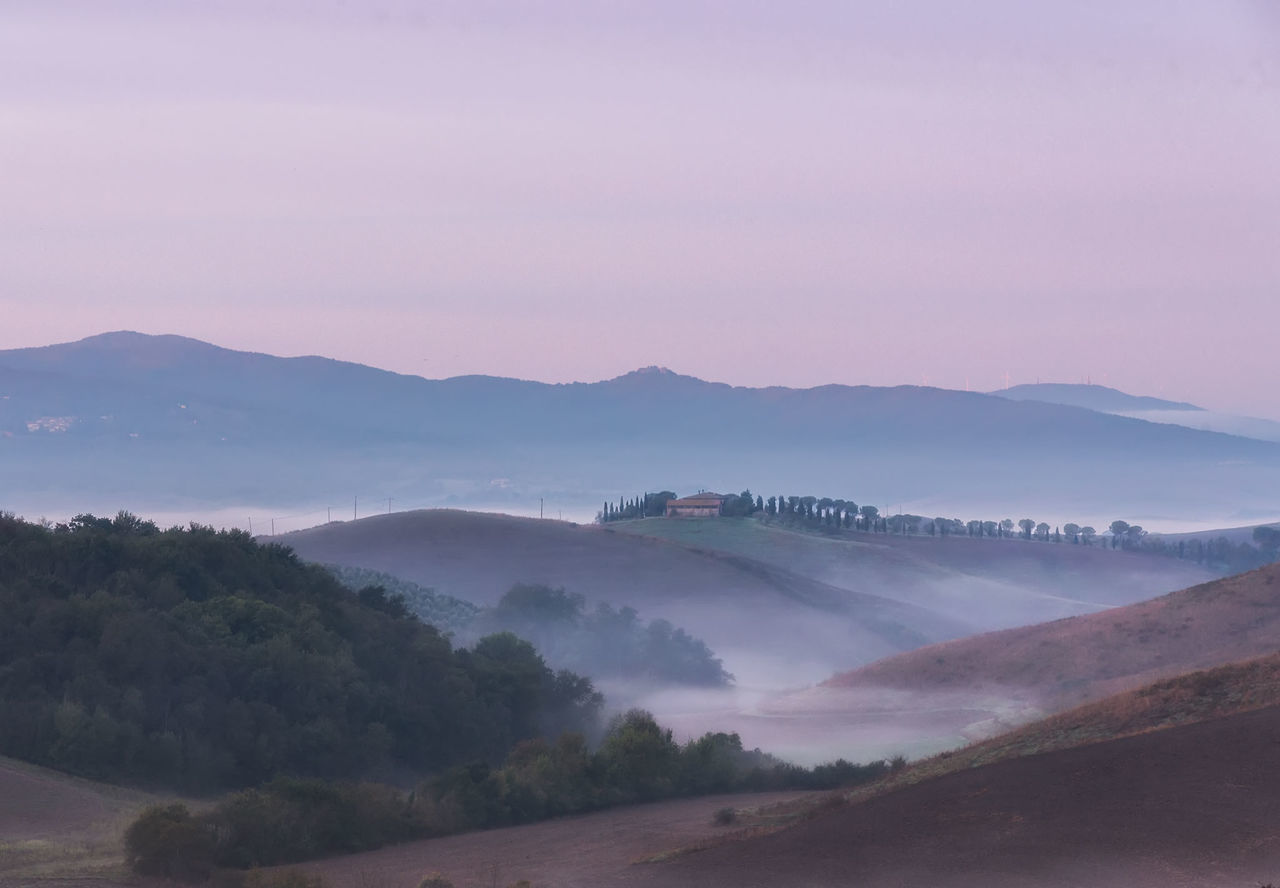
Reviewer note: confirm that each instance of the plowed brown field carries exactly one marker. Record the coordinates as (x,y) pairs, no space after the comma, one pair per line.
(592,851)
(1197,805)
(56,829)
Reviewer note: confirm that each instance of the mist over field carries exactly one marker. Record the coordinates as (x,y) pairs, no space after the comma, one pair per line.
(782,608)
(653,444)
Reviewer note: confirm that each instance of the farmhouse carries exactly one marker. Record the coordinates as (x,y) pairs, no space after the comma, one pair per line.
(700,505)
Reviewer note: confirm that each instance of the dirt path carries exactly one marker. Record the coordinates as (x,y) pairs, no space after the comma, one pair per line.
(591,851)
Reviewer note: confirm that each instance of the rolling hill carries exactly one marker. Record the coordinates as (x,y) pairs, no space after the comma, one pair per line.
(774,604)
(769,624)
(165,423)
(981,583)
(1190,805)
(1087,796)
(1082,658)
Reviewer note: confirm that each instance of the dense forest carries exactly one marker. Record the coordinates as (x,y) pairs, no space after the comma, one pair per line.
(199,659)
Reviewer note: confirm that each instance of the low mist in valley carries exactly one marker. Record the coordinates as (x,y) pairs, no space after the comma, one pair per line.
(780,607)
(644,445)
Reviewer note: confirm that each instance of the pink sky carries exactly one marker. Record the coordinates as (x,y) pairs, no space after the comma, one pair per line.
(792,194)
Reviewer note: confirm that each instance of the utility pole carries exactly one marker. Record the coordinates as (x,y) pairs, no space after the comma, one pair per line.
(388,505)
(273,527)
(329,509)
(539,507)
(355,501)
(250,525)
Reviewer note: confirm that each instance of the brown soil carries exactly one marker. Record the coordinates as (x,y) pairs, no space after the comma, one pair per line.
(39,804)
(591,851)
(1197,805)
(56,829)
(1084,658)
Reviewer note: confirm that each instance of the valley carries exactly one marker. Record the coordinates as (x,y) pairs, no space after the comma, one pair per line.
(783,609)
(946,681)
(639,445)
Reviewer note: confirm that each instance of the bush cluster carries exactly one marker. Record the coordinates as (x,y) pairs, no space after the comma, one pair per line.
(291,820)
(637,761)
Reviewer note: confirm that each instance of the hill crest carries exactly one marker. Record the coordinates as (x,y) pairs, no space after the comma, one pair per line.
(1087,657)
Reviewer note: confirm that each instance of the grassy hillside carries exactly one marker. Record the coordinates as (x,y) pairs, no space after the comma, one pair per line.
(982,583)
(1083,658)
(766,622)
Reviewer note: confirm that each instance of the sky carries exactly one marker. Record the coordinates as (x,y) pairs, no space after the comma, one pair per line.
(956,194)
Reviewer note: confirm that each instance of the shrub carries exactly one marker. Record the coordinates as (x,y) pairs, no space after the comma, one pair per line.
(292,819)
(434,880)
(639,758)
(725,816)
(167,841)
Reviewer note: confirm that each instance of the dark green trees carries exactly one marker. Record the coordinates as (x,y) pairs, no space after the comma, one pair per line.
(650,505)
(197,659)
(604,641)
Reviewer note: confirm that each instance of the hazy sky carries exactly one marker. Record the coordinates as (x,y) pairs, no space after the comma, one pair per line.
(793,193)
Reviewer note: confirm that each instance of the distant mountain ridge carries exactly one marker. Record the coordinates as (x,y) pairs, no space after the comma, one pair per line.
(1109,400)
(154,421)
(1089,396)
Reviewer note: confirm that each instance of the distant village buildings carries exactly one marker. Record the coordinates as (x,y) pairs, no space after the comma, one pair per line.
(700,505)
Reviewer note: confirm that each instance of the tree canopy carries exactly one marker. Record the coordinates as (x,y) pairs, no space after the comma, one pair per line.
(201,659)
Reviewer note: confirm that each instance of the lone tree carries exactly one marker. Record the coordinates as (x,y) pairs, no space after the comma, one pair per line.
(1118,530)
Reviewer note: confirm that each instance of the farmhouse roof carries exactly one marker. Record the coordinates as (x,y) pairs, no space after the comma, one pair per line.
(700,499)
